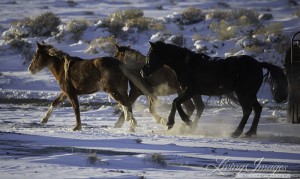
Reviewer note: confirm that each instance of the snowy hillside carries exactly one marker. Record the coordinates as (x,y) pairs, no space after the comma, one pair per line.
(90,28)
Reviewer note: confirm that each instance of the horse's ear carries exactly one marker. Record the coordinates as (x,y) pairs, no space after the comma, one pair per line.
(38,44)
(43,42)
(151,43)
(117,47)
(128,46)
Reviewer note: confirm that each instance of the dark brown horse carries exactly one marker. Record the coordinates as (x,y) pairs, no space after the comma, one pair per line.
(77,76)
(202,75)
(163,82)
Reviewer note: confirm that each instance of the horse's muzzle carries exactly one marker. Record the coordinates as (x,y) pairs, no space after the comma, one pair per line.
(32,71)
(144,74)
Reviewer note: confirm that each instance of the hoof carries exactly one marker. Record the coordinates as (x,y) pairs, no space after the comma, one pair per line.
(131,129)
(163,121)
(236,133)
(118,125)
(250,134)
(133,122)
(169,127)
(77,128)
(189,123)
(44,121)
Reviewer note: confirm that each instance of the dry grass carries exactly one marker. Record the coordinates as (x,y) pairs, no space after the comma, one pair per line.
(77,27)
(273,28)
(224,30)
(42,25)
(102,44)
(191,15)
(156,158)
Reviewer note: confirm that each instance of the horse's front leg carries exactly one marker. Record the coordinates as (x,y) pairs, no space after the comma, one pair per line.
(177,105)
(181,99)
(75,104)
(56,102)
(171,118)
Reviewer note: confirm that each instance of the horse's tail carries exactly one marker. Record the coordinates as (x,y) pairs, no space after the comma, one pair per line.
(137,80)
(279,83)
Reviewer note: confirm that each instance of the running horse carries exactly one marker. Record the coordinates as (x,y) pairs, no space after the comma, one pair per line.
(202,75)
(163,82)
(77,76)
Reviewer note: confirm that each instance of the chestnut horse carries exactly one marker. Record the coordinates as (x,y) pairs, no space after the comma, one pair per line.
(77,76)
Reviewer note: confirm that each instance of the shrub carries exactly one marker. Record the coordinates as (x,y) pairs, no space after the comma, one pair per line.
(141,23)
(138,141)
(254,48)
(191,15)
(76,27)
(102,44)
(265,16)
(243,21)
(273,28)
(93,159)
(224,30)
(234,14)
(42,25)
(133,13)
(131,18)
(157,158)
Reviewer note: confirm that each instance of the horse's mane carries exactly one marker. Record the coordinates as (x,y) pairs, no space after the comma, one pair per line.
(182,50)
(134,54)
(161,44)
(60,54)
(63,56)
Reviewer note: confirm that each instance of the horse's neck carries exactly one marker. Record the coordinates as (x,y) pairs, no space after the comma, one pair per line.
(57,67)
(136,56)
(178,62)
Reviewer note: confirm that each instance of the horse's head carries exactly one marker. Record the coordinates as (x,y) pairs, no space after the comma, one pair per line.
(120,52)
(39,60)
(154,61)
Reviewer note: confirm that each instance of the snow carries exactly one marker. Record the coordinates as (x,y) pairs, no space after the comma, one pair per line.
(29,149)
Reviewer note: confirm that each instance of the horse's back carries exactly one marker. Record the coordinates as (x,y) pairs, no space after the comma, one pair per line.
(249,73)
(107,62)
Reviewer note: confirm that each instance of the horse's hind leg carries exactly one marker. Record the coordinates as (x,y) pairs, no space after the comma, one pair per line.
(199,107)
(56,102)
(189,106)
(152,110)
(127,109)
(247,109)
(75,104)
(133,95)
(257,111)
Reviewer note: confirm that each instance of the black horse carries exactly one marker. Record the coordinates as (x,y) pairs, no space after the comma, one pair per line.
(202,75)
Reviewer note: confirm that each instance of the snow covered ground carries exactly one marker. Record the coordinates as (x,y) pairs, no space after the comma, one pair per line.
(31,150)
